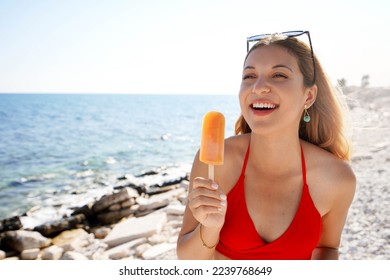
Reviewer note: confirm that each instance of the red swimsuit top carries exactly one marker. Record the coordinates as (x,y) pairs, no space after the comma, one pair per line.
(239,239)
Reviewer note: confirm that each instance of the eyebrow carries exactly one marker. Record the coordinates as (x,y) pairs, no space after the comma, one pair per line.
(273,67)
(284,66)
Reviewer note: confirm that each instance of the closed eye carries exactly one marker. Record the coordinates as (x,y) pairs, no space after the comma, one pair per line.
(248,73)
(280,75)
(249,76)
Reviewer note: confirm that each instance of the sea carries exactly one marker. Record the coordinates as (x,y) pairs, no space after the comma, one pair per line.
(56,147)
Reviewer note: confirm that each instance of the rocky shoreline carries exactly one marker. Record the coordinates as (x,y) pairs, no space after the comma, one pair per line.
(140,219)
(135,221)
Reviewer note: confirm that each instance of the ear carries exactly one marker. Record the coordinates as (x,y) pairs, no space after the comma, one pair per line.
(311,95)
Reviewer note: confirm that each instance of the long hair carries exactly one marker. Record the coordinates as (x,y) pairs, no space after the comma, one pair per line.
(326,127)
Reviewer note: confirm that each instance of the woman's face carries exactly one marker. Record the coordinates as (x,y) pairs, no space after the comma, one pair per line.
(272,93)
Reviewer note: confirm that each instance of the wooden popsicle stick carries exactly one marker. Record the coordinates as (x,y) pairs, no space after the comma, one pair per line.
(211,172)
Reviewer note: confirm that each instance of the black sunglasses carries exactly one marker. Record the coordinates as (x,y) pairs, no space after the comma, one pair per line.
(287,34)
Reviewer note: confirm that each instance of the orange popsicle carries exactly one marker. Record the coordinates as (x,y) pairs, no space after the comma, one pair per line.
(212,141)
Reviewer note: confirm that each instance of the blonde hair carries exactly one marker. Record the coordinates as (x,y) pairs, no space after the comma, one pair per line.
(326,128)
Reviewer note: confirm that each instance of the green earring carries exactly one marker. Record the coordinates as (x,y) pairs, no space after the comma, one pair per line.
(306,116)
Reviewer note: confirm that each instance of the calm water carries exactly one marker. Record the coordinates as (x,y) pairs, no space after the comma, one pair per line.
(52,145)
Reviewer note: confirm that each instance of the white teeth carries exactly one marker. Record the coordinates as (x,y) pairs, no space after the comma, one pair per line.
(263,105)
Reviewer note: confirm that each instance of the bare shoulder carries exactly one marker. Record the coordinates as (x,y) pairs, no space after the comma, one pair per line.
(236,145)
(330,179)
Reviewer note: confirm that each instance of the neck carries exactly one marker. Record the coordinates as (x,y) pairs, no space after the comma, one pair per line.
(274,155)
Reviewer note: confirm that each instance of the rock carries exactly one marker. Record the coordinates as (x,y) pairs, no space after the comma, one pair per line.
(86,210)
(183,198)
(60,225)
(175,209)
(174,194)
(52,253)
(156,181)
(127,203)
(144,213)
(12,223)
(82,242)
(157,189)
(140,189)
(73,256)
(156,202)
(71,239)
(30,254)
(124,250)
(142,249)
(134,228)
(107,218)
(21,240)
(173,224)
(108,200)
(174,233)
(114,207)
(2,255)
(185,185)
(157,250)
(158,238)
(94,249)
(101,232)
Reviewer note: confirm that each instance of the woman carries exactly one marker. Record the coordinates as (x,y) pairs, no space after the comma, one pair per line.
(286,186)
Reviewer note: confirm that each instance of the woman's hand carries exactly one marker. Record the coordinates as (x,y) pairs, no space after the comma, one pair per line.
(207,203)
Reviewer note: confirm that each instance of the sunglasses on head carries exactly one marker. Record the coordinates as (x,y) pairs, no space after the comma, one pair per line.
(287,34)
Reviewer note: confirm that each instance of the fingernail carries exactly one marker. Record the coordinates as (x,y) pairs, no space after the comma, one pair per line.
(214,186)
(223,203)
(220,209)
(222,196)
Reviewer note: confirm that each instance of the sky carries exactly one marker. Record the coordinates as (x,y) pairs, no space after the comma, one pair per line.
(178,47)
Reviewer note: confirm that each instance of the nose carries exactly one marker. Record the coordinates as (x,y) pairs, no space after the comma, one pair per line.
(260,86)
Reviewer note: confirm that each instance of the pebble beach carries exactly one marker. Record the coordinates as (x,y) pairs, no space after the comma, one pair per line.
(151,223)
(366,234)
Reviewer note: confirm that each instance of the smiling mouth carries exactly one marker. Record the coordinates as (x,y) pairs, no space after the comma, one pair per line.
(263,106)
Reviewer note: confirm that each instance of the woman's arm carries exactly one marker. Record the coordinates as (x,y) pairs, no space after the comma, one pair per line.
(343,182)
(325,253)
(203,217)
(199,244)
